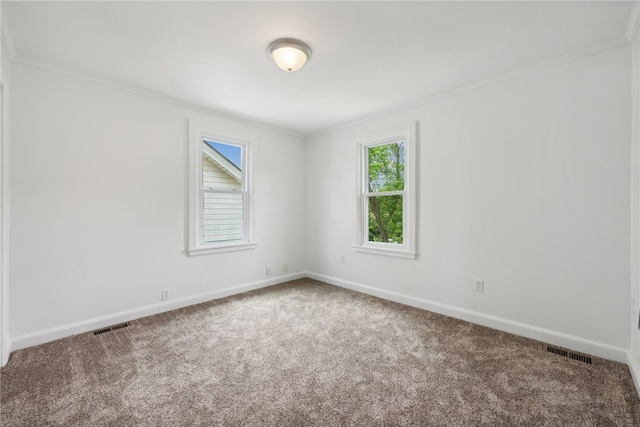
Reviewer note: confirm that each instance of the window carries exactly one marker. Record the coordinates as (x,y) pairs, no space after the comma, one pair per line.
(219,196)
(386,192)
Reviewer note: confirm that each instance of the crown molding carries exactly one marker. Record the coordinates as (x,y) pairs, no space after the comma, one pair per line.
(612,44)
(634,22)
(632,34)
(7,38)
(156,96)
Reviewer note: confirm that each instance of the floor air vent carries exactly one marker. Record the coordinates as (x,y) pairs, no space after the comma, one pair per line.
(570,354)
(111,328)
(581,358)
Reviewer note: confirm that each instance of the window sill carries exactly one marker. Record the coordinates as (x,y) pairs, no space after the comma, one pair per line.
(385,251)
(216,249)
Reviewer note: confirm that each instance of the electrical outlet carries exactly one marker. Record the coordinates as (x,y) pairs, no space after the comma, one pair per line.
(479,285)
(268,271)
(341,259)
(165,294)
(285,267)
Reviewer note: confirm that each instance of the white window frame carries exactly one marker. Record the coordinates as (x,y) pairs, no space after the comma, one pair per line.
(407,249)
(198,132)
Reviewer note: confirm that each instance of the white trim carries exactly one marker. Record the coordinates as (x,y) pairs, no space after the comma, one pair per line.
(5,235)
(632,36)
(139,91)
(150,94)
(634,22)
(407,133)
(634,370)
(220,248)
(199,131)
(582,345)
(63,331)
(385,251)
(568,341)
(520,72)
(7,38)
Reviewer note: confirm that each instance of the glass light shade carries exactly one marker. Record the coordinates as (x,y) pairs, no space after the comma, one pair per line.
(289,54)
(289,58)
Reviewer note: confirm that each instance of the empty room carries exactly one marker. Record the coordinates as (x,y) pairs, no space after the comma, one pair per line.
(320,213)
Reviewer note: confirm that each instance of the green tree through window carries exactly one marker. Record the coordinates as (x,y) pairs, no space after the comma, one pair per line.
(385,187)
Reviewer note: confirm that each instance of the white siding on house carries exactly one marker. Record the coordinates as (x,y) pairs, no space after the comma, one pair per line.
(213,176)
(222,211)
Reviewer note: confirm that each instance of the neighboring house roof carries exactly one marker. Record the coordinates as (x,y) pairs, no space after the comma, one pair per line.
(222,162)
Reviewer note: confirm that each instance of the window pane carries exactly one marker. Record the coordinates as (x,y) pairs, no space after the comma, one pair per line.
(222,216)
(221,165)
(386,167)
(385,219)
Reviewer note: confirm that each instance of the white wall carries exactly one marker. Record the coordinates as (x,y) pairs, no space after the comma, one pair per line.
(634,355)
(5,78)
(99,207)
(524,184)
(2,232)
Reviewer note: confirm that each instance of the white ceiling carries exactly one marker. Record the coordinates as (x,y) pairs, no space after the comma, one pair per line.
(368,57)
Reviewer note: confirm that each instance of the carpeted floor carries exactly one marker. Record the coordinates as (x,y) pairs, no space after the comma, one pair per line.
(307,353)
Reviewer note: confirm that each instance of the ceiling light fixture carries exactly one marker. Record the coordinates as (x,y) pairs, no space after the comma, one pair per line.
(289,54)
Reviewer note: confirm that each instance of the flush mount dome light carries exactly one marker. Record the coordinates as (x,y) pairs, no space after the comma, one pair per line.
(289,54)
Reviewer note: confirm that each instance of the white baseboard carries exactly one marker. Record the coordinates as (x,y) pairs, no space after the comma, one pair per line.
(634,369)
(6,347)
(52,334)
(556,338)
(582,345)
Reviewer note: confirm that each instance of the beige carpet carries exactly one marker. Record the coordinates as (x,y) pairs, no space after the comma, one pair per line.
(307,353)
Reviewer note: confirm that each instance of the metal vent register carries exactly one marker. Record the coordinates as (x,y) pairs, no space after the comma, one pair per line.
(111,328)
(569,354)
